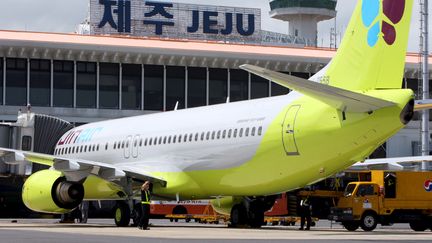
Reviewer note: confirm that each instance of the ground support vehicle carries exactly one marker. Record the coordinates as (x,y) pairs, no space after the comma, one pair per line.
(389,197)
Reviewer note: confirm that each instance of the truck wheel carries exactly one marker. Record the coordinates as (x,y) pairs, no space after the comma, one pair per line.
(418,226)
(351,225)
(122,214)
(368,221)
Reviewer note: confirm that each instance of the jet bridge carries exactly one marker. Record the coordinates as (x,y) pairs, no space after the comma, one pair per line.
(31,132)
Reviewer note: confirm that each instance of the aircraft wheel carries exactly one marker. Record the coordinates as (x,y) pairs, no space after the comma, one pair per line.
(238,215)
(122,214)
(137,211)
(255,215)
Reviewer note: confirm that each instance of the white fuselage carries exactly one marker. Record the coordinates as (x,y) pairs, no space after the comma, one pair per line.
(206,138)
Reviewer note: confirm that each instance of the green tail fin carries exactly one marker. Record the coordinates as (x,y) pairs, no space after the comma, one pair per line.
(372,53)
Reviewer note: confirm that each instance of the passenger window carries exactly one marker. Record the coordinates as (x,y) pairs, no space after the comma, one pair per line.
(224,134)
(202,136)
(127,144)
(196,137)
(164,140)
(213,135)
(81,148)
(123,144)
(141,142)
(85,149)
(190,137)
(175,139)
(169,139)
(106,146)
(160,140)
(179,138)
(150,142)
(218,134)
(241,132)
(229,133)
(97,148)
(247,132)
(235,133)
(135,143)
(253,131)
(208,136)
(259,131)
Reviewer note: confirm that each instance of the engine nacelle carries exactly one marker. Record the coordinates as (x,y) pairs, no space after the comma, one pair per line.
(47,191)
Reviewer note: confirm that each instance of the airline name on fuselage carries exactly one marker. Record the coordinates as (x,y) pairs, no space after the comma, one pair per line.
(79,136)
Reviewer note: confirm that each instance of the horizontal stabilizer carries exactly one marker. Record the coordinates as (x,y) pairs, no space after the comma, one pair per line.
(392,164)
(338,98)
(423,105)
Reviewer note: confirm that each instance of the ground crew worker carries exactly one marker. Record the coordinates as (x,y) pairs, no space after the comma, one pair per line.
(145,206)
(305,213)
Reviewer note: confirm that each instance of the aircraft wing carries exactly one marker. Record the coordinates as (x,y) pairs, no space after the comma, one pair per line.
(341,99)
(77,169)
(394,164)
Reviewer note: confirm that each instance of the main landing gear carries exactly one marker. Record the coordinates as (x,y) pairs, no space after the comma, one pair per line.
(250,212)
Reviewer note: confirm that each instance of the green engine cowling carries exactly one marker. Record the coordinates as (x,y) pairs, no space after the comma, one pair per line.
(47,191)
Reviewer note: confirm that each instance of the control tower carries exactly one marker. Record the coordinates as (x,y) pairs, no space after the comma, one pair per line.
(303,16)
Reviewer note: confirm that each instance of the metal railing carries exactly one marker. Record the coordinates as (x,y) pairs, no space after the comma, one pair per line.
(327,4)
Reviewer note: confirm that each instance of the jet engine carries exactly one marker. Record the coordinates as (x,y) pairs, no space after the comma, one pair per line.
(48,191)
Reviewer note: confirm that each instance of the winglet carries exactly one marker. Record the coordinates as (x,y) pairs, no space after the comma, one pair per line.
(338,98)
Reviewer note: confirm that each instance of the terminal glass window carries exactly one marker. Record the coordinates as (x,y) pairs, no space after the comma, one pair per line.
(153,87)
(16,81)
(239,85)
(109,85)
(40,82)
(131,90)
(277,90)
(197,85)
(259,87)
(301,75)
(86,85)
(218,85)
(63,83)
(175,87)
(1,80)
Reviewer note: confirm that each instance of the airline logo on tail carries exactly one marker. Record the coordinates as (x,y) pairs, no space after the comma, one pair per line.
(392,13)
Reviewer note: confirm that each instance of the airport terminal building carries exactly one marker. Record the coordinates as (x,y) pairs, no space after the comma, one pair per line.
(140,57)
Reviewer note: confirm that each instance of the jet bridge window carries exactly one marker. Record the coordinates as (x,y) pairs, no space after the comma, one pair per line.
(26,143)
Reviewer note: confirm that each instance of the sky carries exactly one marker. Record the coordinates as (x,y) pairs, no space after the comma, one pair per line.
(65,15)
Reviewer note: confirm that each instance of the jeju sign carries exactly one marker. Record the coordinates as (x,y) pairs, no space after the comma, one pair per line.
(174,20)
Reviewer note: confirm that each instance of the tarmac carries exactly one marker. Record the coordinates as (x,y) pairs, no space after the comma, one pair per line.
(104,230)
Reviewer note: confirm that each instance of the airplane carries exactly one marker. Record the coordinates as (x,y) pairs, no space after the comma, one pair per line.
(241,154)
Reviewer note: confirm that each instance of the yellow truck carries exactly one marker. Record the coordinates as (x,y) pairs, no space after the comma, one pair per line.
(389,197)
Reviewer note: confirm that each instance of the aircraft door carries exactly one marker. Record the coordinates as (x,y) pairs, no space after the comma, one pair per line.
(288,131)
(127,147)
(135,146)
